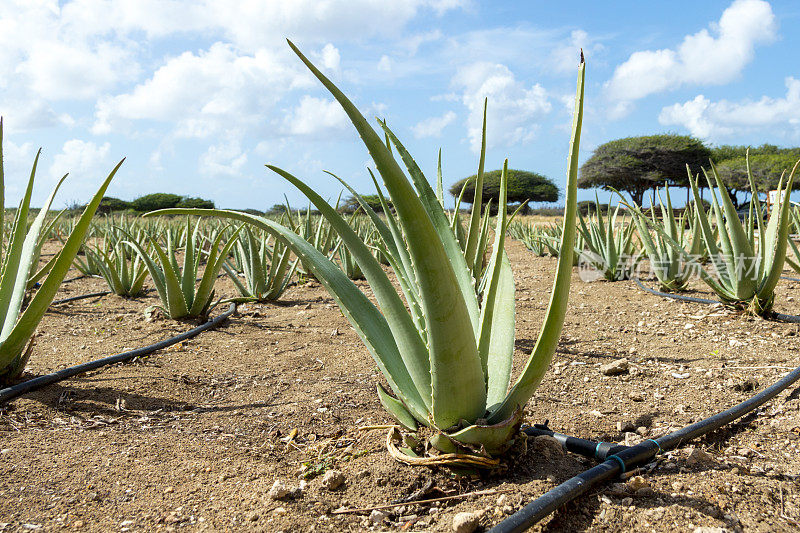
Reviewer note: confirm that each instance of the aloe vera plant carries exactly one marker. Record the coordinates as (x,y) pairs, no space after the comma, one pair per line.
(747,263)
(175,284)
(123,270)
(447,356)
(668,264)
(265,267)
(18,261)
(609,249)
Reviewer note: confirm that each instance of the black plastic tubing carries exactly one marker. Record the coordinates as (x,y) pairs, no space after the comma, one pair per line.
(630,457)
(778,316)
(19,389)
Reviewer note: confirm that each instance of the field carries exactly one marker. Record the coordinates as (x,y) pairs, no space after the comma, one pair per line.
(194,437)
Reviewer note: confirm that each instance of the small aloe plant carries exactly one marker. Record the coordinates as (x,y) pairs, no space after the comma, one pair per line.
(669,265)
(123,270)
(447,355)
(175,284)
(18,261)
(610,250)
(265,267)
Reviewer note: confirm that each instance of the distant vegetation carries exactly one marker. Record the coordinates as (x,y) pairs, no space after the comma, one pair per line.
(151,202)
(523,186)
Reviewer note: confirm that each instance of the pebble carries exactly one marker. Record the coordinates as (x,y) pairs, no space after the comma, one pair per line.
(626,502)
(637,482)
(699,456)
(614,368)
(710,529)
(677,486)
(636,396)
(332,480)
(279,491)
(376,516)
(465,522)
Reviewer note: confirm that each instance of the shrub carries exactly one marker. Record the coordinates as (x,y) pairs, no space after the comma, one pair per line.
(158,200)
(188,201)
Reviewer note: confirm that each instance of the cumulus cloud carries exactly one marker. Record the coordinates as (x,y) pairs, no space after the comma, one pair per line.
(203,93)
(707,119)
(433,126)
(81,158)
(715,55)
(315,117)
(514,108)
(223,159)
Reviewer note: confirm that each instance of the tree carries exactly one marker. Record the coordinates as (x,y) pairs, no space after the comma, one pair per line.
(767,164)
(350,204)
(523,186)
(637,164)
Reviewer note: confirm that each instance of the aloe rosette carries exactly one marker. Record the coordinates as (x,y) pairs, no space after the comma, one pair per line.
(445,350)
(19,259)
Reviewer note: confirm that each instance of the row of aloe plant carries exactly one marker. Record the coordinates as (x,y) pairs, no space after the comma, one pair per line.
(445,343)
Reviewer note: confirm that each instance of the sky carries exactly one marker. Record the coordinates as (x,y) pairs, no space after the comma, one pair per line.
(198,95)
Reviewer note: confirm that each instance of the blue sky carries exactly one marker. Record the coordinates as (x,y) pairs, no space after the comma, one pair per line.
(200,94)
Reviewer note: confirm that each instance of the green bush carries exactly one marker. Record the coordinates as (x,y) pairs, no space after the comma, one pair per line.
(109,204)
(199,203)
(158,200)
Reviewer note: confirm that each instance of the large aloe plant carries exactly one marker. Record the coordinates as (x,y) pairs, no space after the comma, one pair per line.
(18,261)
(447,356)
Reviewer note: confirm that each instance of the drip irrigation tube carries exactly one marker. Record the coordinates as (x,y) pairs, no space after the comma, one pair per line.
(790,278)
(588,448)
(42,381)
(777,316)
(630,457)
(79,297)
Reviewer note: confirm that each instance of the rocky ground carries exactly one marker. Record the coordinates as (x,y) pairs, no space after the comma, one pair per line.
(257,425)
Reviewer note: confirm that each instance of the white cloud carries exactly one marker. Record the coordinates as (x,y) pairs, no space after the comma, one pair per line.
(565,56)
(330,57)
(205,93)
(514,109)
(433,126)
(709,57)
(705,119)
(79,158)
(225,159)
(385,64)
(315,117)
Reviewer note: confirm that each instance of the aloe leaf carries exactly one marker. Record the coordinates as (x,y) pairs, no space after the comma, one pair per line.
(15,343)
(471,249)
(411,346)
(28,253)
(776,239)
(497,338)
(176,303)
(550,333)
(366,319)
(396,409)
(457,379)
(442,226)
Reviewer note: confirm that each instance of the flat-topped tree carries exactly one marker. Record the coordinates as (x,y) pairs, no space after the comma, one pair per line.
(638,164)
(523,186)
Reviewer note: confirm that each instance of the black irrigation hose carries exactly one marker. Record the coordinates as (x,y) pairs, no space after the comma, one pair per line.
(79,297)
(790,278)
(777,316)
(630,457)
(42,381)
(588,448)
